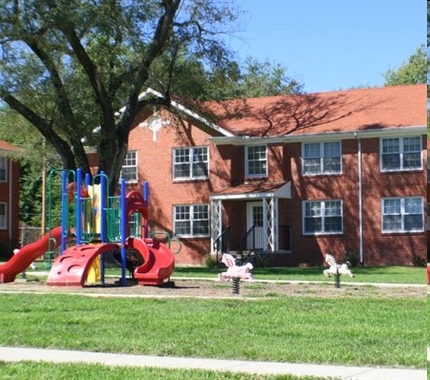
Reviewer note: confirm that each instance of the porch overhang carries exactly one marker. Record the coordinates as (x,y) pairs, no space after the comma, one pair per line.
(253,191)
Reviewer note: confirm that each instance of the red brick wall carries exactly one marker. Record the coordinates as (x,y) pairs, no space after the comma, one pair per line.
(155,166)
(378,247)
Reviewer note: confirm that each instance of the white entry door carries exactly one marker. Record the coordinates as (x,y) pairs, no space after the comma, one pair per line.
(255,218)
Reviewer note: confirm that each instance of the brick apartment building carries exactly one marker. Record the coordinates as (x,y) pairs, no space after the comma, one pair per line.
(290,177)
(9,200)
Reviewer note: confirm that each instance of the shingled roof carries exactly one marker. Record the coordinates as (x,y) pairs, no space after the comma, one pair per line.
(340,111)
(5,146)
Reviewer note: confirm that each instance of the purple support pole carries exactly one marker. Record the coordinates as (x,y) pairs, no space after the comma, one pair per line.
(146,202)
(123,227)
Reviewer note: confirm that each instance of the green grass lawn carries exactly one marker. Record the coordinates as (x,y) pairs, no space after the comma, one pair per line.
(73,371)
(347,331)
(373,331)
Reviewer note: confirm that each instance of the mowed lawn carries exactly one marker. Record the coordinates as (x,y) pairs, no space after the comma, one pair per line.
(379,330)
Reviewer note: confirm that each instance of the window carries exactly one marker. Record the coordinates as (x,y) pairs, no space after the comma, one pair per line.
(322,158)
(190,163)
(428,216)
(401,153)
(129,168)
(322,217)
(3,219)
(256,161)
(402,214)
(2,169)
(191,220)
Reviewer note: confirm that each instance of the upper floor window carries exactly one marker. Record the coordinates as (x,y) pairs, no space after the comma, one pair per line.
(190,163)
(402,214)
(256,161)
(322,217)
(403,153)
(3,219)
(191,220)
(322,157)
(2,169)
(129,168)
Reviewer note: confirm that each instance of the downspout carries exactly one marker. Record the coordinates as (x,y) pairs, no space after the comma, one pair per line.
(11,200)
(360,201)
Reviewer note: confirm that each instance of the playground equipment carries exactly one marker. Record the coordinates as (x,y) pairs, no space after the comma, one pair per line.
(235,272)
(98,224)
(336,269)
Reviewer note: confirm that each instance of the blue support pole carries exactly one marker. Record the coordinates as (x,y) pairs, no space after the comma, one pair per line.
(103,221)
(123,227)
(78,220)
(64,210)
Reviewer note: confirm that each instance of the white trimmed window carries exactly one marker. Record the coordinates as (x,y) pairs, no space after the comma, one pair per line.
(191,220)
(3,216)
(322,158)
(2,169)
(402,214)
(129,168)
(403,153)
(191,163)
(322,217)
(256,161)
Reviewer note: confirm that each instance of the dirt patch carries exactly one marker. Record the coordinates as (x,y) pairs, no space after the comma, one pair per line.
(218,289)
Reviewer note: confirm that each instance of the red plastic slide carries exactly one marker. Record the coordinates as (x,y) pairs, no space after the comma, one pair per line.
(71,268)
(27,254)
(159,261)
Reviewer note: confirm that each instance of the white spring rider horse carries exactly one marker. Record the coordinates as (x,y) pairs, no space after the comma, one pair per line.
(336,268)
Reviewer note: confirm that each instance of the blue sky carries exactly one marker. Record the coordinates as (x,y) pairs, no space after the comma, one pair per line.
(332,44)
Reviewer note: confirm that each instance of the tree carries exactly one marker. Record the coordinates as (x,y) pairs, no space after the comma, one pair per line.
(414,71)
(68,65)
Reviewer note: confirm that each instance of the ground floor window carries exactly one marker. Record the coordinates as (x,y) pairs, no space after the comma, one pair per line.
(3,224)
(322,217)
(402,214)
(191,220)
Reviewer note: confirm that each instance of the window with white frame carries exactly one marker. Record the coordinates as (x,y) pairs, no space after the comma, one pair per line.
(403,153)
(322,157)
(402,214)
(3,219)
(191,220)
(322,217)
(129,167)
(2,169)
(256,161)
(191,163)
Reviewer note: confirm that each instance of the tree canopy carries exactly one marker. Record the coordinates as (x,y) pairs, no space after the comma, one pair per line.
(413,71)
(68,66)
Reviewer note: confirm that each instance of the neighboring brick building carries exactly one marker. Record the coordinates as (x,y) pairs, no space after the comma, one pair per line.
(9,200)
(293,177)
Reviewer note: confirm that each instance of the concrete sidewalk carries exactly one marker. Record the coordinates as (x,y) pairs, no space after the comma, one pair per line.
(14,354)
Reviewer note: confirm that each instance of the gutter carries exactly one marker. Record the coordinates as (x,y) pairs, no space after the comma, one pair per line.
(326,136)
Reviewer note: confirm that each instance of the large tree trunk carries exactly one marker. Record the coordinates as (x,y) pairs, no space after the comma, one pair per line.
(112,150)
